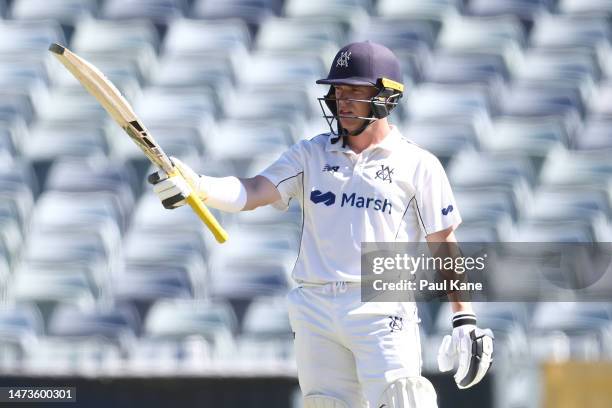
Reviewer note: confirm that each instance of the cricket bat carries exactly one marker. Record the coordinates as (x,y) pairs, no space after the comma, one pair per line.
(120,110)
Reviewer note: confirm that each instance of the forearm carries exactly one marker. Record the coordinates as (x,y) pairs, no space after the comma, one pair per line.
(260,191)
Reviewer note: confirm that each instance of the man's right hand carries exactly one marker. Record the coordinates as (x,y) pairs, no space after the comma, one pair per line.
(172,191)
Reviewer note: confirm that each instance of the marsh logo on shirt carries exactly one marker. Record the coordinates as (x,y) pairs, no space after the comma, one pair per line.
(329,198)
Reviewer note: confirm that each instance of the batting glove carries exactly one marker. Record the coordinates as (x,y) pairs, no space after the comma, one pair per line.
(470,347)
(172,191)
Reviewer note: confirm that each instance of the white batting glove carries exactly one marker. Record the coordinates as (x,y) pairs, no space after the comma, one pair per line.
(172,191)
(468,346)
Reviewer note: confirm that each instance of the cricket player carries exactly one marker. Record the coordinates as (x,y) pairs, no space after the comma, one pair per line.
(361,182)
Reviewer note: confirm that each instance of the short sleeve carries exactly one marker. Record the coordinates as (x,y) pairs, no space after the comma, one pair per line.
(286,174)
(436,206)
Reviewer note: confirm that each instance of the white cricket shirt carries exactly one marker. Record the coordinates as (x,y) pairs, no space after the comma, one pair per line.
(392,191)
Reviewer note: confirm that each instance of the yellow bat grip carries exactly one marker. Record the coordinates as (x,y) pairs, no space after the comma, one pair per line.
(205,215)
(201,210)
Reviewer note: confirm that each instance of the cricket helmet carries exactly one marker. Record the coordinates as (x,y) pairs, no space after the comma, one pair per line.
(367,64)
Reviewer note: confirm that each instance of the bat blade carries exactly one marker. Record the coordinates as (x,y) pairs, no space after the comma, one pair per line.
(120,110)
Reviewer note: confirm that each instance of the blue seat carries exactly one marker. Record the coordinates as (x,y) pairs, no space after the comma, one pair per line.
(578,68)
(566,31)
(479,169)
(349,14)
(120,325)
(481,34)
(158,11)
(188,105)
(21,320)
(266,317)
(584,7)
(142,284)
(599,105)
(94,176)
(14,104)
(300,36)
(186,36)
(48,141)
(29,37)
(23,74)
(597,135)
(467,67)
(138,37)
(532,137)
(430,10)
(282,69)
(253,13)
(444,138)
(526,10)
(178,319)
(577,168)
(429,100)
(64,11)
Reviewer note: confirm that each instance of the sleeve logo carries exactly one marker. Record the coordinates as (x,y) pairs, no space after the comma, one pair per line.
(447,210)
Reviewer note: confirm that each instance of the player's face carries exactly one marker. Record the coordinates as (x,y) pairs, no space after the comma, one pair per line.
(347,107)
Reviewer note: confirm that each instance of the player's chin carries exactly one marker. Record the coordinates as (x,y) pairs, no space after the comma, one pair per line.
(351,124)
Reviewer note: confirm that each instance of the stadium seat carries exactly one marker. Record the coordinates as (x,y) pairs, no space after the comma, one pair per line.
(107,35)
(191,106)
(466,67)
(194,70)
(180,319)
(568,203)
(50,140)
(481,34)
(281,69)
(186,36)
(186,250)
(253,13)
(348,14)
(599,105)
(430,100)
(157,11)
(23,75)
(13,104)
(294,35)
(562,31)
(240,140)
(581,322)
(596,135)
(530,137)
(72,356)
(585,7)
(577,168)
(66,12)
(266,103)
(140,284)
(428,10)
(71,104)
(29,37)
(537,98)
(153,355)
(120,325)
(526,10)
(266,317)
(443,138)
(577,68)
(94,176)
(134,40)
(49,286)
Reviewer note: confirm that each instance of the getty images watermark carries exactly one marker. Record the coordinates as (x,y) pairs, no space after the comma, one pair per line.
(510,271)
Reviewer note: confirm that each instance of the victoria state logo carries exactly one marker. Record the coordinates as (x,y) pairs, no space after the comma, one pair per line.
(343,59)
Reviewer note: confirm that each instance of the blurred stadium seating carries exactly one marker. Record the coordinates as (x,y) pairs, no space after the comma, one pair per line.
(514,97)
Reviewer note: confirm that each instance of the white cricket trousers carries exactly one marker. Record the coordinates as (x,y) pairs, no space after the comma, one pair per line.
(348,349)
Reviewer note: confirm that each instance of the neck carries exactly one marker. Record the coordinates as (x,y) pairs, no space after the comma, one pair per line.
(372,135)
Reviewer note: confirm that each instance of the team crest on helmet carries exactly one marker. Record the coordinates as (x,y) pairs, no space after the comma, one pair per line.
(343,59)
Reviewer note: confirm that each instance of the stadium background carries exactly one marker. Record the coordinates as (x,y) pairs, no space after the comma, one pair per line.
(103,289)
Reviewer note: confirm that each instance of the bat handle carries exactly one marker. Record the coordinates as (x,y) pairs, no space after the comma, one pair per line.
(206,216)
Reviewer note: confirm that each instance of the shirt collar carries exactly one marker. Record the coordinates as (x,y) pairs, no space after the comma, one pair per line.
(389,142)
